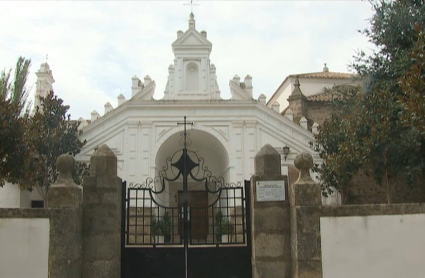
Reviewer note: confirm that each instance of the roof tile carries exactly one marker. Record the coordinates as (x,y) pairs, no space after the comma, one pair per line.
(324,75)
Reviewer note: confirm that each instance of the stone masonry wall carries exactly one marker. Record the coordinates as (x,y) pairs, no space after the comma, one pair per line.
(306,211)
(365,191)
(102,217)
(271,256)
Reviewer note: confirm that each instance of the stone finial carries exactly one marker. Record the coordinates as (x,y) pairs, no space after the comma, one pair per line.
(82,123)
(103,162)
(103,150)
(325,68)
(315,128)
(304,162)
(289,114)
(147,80)
(267,161)
(297,90)
(94,115)
(248,81)
(65,165)
(121,99)
(192,21)
(108,107)
(276,106)
(262,99)
(303,122)
(135,82)
(204,33)
(64,193)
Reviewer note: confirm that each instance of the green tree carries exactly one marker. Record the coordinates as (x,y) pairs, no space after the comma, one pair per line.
(335,147)
(371,132)
(367,136)
(13,118)
(392,31)
(413,86)
(50,133)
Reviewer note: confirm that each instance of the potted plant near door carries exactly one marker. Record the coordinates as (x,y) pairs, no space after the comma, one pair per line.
(161,229)
(166,227)
(223,227)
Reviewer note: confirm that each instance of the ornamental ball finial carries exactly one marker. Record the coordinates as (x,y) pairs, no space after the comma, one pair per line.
(304,162)
(65,164)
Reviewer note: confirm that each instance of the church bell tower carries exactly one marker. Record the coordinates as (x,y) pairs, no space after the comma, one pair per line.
(192,76)
(44,83)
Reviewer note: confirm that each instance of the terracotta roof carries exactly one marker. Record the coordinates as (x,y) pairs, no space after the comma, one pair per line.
(331,94)
(324,75)
(318,75)
(323,96)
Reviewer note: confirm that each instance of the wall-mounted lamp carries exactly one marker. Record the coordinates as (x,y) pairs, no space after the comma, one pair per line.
(285,152)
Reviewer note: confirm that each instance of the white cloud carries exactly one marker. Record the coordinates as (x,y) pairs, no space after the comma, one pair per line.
(96,47)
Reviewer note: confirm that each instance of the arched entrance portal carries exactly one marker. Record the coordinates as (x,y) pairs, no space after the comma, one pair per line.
(210,164)
(201,146)
(187,213)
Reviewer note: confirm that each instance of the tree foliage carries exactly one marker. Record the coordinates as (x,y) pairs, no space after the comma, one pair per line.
(50,133)
(392,31)
(413,86)
(13,118)
(377,128)
(30,145)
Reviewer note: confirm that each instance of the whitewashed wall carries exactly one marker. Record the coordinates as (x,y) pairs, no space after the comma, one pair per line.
(390,246)
(24,247)
(10,196)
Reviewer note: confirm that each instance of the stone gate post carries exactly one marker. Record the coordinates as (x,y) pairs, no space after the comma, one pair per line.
(102,217)
(305,199)
(64,200)
(270,225)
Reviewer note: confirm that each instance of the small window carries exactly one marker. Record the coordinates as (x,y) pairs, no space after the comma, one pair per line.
(37,204)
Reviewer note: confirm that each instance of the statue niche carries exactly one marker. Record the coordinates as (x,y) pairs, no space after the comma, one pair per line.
(192,77)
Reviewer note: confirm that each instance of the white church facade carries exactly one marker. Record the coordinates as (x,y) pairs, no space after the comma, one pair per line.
(142,132)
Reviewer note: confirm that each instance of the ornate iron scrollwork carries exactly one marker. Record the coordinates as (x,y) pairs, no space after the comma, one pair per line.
(148,216)
(174,169)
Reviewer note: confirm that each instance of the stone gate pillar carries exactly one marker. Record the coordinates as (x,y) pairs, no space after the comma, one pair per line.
(305,198)
(102,217)
(270,225)
(64,200)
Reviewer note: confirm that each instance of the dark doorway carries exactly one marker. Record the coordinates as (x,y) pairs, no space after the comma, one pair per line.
(198,204)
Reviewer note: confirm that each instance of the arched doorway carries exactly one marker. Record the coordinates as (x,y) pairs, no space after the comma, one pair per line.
(206,150)
(212,214)
(201,145)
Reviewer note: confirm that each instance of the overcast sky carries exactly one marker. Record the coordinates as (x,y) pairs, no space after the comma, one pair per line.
(95,47)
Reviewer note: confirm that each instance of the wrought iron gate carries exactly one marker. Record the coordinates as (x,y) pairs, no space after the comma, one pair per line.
(176,233)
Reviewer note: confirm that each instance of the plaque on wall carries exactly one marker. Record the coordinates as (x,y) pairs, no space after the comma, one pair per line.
(270,191)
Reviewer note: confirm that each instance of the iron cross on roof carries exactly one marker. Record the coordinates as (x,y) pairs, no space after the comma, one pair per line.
(191,5)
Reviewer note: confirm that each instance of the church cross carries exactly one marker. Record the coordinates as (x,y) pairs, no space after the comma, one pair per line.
(191,5)
(185,133)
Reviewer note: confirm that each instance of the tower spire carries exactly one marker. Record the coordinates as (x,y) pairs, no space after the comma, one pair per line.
(192,21)
(192,16)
